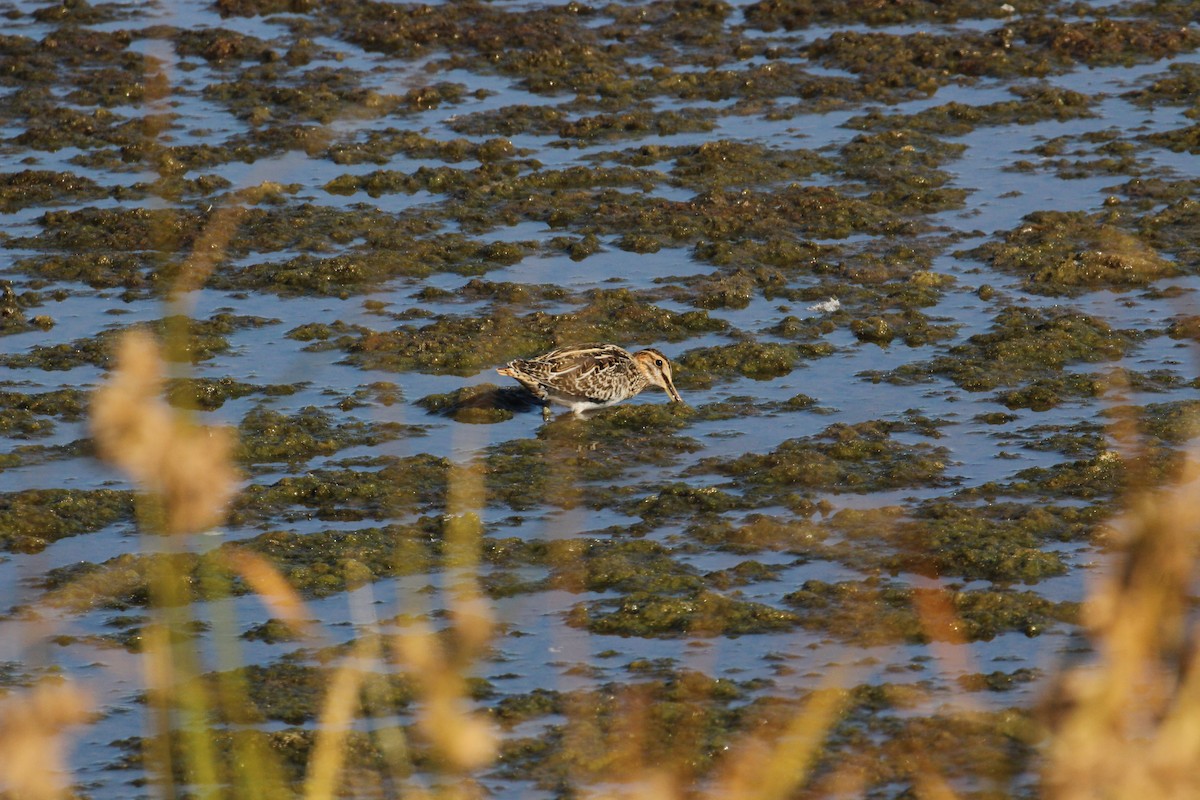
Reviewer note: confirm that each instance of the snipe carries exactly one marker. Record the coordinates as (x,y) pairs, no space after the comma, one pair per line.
(590,376)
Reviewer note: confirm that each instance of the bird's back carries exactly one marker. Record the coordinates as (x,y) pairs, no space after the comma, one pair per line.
(599,372)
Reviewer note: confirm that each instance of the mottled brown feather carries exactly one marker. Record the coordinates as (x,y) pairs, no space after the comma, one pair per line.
(590,375)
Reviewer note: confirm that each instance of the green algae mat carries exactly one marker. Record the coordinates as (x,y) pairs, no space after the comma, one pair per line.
(926,273)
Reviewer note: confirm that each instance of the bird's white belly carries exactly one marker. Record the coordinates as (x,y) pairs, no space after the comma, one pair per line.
(579,406)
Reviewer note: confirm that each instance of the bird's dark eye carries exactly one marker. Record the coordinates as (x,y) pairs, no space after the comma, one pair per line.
(658,362)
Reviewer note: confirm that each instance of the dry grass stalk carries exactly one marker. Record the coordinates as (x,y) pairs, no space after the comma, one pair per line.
(469,608)
(185,467)
(466,741)
(209,249)
(775,768)
(341,702)
(1131,724)
(282,601)
(187,479)
(463,740)
(32,739)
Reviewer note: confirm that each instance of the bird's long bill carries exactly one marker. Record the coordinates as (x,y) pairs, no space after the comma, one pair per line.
(670,388)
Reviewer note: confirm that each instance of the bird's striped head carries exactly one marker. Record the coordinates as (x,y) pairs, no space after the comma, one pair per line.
(656,369)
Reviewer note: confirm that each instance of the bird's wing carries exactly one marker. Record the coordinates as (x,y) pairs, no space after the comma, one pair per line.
(573,370)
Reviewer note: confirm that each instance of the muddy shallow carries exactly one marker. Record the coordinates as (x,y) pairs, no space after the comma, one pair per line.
(343,216)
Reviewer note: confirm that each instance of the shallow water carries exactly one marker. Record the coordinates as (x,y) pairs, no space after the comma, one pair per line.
(908,389)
